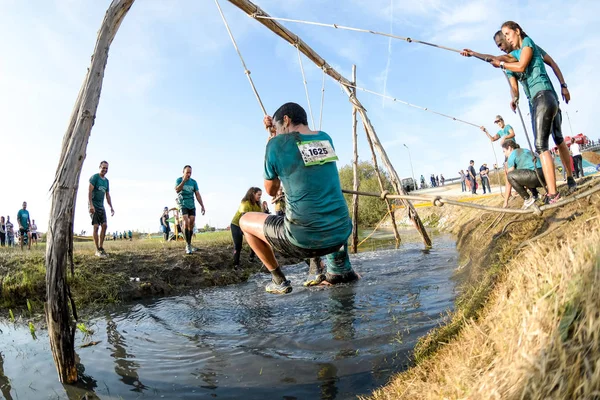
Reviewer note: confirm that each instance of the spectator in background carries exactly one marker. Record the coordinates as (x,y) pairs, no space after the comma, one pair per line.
(265,207)
(2,232)
(437,180)
(577,159)
(34,233)
(484,175)
(164,223)
(471,176)
(10,233)
(279,202)
(422,182)
(24,225)
(463,178)
(442,179)
(432,179)
(130,234)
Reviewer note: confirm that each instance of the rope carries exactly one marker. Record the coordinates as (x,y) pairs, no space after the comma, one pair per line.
(440,201)
(374,230)
(348,28)
(527,136)
(246,70)
(409,104)
(305,87)
(322,101)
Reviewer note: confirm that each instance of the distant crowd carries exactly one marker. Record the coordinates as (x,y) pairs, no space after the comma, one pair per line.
(25,232)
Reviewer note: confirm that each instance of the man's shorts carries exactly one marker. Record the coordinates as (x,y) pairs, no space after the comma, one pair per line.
(99,217)
(34,235)
(23,231)
(274,231)
(190,212)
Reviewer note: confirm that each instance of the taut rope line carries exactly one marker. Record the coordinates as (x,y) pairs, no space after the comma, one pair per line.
(246,70)
(348,28)
(322,101)
(305,87)
(410,104)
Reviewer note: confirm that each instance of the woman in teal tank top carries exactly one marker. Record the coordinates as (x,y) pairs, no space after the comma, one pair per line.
(544,101)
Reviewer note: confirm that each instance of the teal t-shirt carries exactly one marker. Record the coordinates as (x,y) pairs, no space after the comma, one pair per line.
(505,131)
(186,196)
(535,76)
(23,217)
(522,159)
(100,189)
(521,77)
(316,214)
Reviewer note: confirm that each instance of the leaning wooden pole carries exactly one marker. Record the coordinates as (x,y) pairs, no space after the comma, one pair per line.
(61,329)
(354,172)
(253,10)
(388,203)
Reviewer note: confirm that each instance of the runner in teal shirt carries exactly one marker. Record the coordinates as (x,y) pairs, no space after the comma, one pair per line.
(97,191)
(186,189)
(544,101)
(316,222)
(23,221)
(522,174)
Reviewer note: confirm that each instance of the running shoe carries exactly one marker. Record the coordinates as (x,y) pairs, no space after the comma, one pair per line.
(528,203)
(346,277)
(283,288)
(188,249)
(571,184)
(315,281)
(194,249)
(553,199)
(98,253)
(103,252)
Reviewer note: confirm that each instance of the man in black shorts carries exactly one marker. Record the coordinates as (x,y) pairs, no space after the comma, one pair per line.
(316,221)
(98,190)
(186,189)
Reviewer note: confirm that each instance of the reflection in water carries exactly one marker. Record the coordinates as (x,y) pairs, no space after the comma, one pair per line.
(327,375)
(84,388)
(124,367)
(4,381)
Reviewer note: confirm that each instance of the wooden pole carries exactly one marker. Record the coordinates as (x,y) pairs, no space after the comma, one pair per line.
(61,329)
(390,208)
(354,172)
(253,10)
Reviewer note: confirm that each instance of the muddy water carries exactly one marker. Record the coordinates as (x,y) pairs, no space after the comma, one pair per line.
(240,342)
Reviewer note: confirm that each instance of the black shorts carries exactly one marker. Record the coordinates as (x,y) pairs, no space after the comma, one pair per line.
(274,231)
(190,212)
(99,217)
(34,235)
(23,232)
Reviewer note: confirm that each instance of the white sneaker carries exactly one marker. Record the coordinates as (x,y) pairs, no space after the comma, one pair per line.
(188,249)
(528,203)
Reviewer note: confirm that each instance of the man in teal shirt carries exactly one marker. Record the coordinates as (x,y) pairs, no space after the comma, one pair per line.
(97,191)
(316,221)
(24,224)
(506,131)
(186,189)
(522,173)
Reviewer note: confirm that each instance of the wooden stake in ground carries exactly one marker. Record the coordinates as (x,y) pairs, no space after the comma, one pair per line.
(253,10)
(61,329)
(354,172)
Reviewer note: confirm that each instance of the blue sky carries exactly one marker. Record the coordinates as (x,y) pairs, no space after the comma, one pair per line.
(175,93)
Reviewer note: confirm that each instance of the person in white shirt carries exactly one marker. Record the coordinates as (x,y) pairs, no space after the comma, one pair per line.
(34,234)
(577,159)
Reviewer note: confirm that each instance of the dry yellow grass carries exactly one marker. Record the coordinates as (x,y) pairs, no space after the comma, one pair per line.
(537,337)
